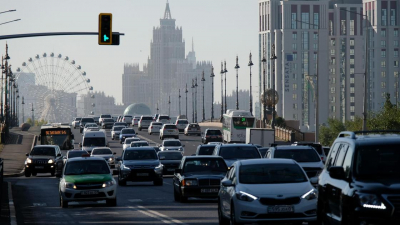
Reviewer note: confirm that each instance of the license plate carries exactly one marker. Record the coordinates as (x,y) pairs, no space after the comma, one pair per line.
(170,169)
(281,209)
(209,190)
(89,192)
(142,174)
(39,167)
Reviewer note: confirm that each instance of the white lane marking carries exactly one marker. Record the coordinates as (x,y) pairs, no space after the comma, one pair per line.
(167,183)
(13,216)
(149,140)
(39,204)
(161,215)
(135,200)
(145,212)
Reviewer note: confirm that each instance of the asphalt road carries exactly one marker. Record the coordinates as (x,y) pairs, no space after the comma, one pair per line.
(37,201)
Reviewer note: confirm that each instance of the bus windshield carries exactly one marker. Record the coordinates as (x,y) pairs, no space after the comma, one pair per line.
(57,136)
(242,122)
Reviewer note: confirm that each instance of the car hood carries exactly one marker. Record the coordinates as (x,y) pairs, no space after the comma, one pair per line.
(205,175)
(41,157)
(229,162)
(273,190)
(171,148)
(104,156)
(87,178)
(141,162)
(127,135)
(312,164)
(170,161)
(379,185)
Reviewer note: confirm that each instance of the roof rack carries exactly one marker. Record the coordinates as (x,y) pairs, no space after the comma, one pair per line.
(352,134)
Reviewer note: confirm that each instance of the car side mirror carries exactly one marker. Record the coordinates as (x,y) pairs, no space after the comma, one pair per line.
(227,183)
(27,154)
(64,157)
(58,155)
(178,170)
(337,172)
(183,145)
(114,153)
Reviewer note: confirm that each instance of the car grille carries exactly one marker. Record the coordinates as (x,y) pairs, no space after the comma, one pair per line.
(280,216)
(99,195)
(208,182)
(40,161)
(85,186)
(311,171)
(395,200)
(141,167)
(284,201)
(171,165)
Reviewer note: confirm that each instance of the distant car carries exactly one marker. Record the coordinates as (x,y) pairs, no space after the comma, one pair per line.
(169,131)
(126,133)
(139,143)
(140,164)
(115,132)
(171,144)
(96,119)
(205,149)
(128,141)
(199,177)
(105,153)
(76,122)
(127,119)
(121,124)
(326,150)
(73,154)
(104,116)
(266,191)
(316,146)
(164,119)
(233,152)
(192,129)
(43,159)
(84,121)
(90,127)
(144,122)
(211,135)
(181,124)
(154,127)
(170,161)
(107,123)
(135,121)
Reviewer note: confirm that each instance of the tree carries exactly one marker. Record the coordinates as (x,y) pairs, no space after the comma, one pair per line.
(280,122)
(328,134)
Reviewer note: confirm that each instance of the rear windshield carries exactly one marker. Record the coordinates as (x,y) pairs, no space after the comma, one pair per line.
(172,143)
(109,120)
(94,141)
(157,124)
(128,141)
(118,128)
(170,127)
(193,126)
(75,154)
(206,150)
(128,131)
(139,144)
(77,119)
(43,151)
(239,152)
(271,174)
(147,118)
(128,116)
(183,122)
(105,116)
(91,125)
(213,132)
(140,155)
(87,167)
(87,120)
(204,165)
(101,151)
(120,124)
(170,155)
(317,147)
(163,118)
(299,155)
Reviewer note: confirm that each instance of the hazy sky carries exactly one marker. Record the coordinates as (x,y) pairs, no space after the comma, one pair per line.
(221,30)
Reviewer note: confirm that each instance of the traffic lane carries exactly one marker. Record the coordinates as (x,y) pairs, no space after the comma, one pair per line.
(37,202)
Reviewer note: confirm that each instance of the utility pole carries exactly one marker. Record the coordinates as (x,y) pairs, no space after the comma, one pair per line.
(251,95)
(180,102)
(157,108)
(169,105)
(195,101)
(273,57)
(237,82)
(6,106)
(193,109)
(263,124)
(33,115)
(23,109)
(212,92)
(225,71)
(204,112)
(186,91)
(2,82)
(222,91)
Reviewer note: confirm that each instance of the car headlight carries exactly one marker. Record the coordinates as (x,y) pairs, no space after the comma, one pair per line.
(108,183)
(70,185)
(189,182)
(243,196)
(310,195)
(111,159)
(123,167)
(371,201)
(50,161)
(28,160)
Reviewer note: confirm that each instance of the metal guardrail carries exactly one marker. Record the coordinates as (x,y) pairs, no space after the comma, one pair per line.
(1,179)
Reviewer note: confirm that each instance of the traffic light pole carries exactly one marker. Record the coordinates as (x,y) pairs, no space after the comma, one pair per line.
(14,36)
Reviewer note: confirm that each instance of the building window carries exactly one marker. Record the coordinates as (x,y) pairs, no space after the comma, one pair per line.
(383,84)
(295,116)
(332,90)
(396,63)
(294,20)
(333,71)
(351,70)
(383,53)
(352,61)
(352,118)
(333,42)
(305,18)
(396,33)
(383,33)
(383,44)
(351,90)
(294,105)
(351,80)
(396,43)
(305,40)
(315,46)
(333,99)
(334,80)
(384,16)
(294,46)
(295,65)
(396,53)
(333,109)
(332,51)
(383,64)
(396,73)
(393,17)
(352,42)
(351,27)
(383,74)
(351,51)
(294,56)
(351,99)
(316,20)
(333,61)
(294,96)
(294,87)
(315,36)
(294,76)
(351,108)
(294,36)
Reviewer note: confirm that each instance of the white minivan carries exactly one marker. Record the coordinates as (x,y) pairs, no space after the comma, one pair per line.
(93,139)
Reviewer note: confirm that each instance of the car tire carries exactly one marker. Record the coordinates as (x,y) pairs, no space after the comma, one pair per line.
(150,133)
(34,174)
(158,182)
(121,182)
(63,203)
(112,138)
(233,219)
(27,173)
(221,218)
(176,196)
(182,199)
(111,202)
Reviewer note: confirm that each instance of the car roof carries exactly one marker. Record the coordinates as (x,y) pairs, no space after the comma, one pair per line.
(267,161)
(293,147)
(86,158)
(141,141)
(170,151)
(101,148)
(139,148)
(50,146)
(204,157)
(172,139)
(240,145)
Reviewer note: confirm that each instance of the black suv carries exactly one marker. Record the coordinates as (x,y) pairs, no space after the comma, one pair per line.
(211,135)
(360,183)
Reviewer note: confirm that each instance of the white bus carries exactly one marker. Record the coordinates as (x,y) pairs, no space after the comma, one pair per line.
(234,125)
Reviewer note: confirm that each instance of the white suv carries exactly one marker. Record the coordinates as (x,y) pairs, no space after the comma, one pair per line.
(154,127)
(144,122)
(181,124)
(169,130)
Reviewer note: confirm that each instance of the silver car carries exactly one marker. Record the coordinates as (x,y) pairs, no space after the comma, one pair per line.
(105,153)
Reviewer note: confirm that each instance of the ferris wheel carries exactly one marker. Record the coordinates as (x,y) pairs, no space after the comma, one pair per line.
(53,84)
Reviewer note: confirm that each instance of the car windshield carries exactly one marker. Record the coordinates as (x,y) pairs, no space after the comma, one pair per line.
(206,150)
(105,116)
(128,131)
(163,118)
(193,126)
(156,124)
(109,120)
(77,119)
(213,132)
(94,141)
(140,155)
(139,144)
(299,155)
(170,155)
(128,116)
(118,128)
(120,124)
(87,120)
(183,122)
(170,127)
(378,161)
(147,118)
(43,151)
(172,143)
(91,125)
(239,152)
(273,173)
(204,165)
(130,140)
(101,151)
(75,154)
(87,167)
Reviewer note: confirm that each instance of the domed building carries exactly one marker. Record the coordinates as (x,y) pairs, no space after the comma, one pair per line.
(137,109)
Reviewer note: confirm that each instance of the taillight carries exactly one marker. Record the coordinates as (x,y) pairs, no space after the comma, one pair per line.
(207,136)
(151,127)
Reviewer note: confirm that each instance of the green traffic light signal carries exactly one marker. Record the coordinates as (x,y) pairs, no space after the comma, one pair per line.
(105,29)
(106,38)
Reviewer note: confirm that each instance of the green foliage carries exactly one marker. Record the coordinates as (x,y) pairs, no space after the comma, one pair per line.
(29,120)
(37,122)
(280,122)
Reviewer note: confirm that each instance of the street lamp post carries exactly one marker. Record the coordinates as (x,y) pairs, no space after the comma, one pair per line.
(273,57)
(251,96)
(204,112)
(237,82)
(2,82)
(179,101)
(195,101)
(33,116)
(222,91)
(264,60)
(193,109)
(169,105)
(225,71)
(212,92)
(17,120)
(186,91)
(23,109)
(157,108)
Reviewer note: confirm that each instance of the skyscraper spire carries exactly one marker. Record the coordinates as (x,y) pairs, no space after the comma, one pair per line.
(192,45)
(167,14)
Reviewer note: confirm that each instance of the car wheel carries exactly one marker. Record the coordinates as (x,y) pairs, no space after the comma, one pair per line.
(63,203)
(176,196)
(158,182)
(111,202)
(221,218)
(182,198)
(53,173)
(233,215)
(112,138)
(34,174)
(27,173)
(121,182)
(150,133)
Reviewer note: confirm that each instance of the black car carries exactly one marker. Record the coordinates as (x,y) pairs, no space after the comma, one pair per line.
(170,161)
(205,149)
(211,135)
(139,164)
(199,177)
(360,183)
(107,123)
(43,159)
(84,121)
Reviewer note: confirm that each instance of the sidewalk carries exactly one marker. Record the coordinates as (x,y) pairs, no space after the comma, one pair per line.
(14,153)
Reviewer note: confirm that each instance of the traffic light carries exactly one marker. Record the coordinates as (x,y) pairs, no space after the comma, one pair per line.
(105,29)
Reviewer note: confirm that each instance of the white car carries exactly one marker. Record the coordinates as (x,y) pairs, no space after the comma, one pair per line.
(116,130)
(169,130)
(135,121)
(127,119)
(181,124)
(128,141)
(76,122)
(264,191)
(154,127)
(164,119)
(144,122)
(90,127)
(172,144)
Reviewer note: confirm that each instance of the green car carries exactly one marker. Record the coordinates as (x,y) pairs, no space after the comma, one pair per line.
(87,179)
